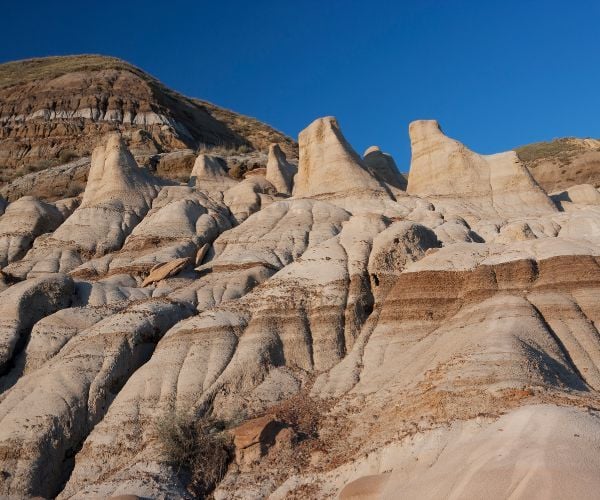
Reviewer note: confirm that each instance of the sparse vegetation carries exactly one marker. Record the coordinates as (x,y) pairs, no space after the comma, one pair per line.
(198,447)
(223,150)
(560,150)
(257,133)
(238,171)
(66,155)
(52,67)
(35,166)
(75,189)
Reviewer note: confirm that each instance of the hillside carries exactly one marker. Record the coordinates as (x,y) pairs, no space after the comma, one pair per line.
(54,109)
(313,331)
(562,163)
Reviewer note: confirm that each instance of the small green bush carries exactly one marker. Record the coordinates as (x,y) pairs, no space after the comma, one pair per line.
(197,446)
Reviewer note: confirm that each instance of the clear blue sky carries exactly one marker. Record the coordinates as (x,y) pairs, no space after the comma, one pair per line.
(496,74)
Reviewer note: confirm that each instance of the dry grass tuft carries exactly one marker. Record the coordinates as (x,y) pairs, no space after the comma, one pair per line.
(197,446)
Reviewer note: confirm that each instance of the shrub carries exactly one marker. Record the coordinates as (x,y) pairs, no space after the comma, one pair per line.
(224,149)
(74,189)
(65,156)
(197,446)
(238,171)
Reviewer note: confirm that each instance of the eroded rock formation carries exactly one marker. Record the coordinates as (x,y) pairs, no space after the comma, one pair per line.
(55,108)
(279,172)
(354,339)
(328,164)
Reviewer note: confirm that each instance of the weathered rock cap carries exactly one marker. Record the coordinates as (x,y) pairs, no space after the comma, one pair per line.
(419,130)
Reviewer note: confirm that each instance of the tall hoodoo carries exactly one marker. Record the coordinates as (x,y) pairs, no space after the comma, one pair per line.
(280,173)
(115,177)
(445,168)
(209,173)
(383,166)
(329,165)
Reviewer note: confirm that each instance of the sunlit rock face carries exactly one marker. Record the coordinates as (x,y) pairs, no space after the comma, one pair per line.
(356,336)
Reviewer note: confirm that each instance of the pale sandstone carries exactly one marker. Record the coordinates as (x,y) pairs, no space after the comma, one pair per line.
(209,174)
(23,305)
(369,326)
(23,221)
(581,194)
(383,166)
(117,196)
(443,168)
(329,166)
(279,172)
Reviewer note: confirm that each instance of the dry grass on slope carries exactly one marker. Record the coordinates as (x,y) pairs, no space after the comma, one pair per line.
(42,68)
(258,134)
(559,150)
(197,447)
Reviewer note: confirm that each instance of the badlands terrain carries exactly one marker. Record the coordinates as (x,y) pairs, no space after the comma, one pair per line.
(193,305)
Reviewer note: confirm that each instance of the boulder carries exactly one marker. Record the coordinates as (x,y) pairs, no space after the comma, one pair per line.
(166,270)
(201,253)
(253,439)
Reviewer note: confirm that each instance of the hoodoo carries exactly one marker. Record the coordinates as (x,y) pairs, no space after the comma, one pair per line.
(117,197)
(383,166)
(209,174)
(444,168)
(328,164)
(280,173)
(217,337)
